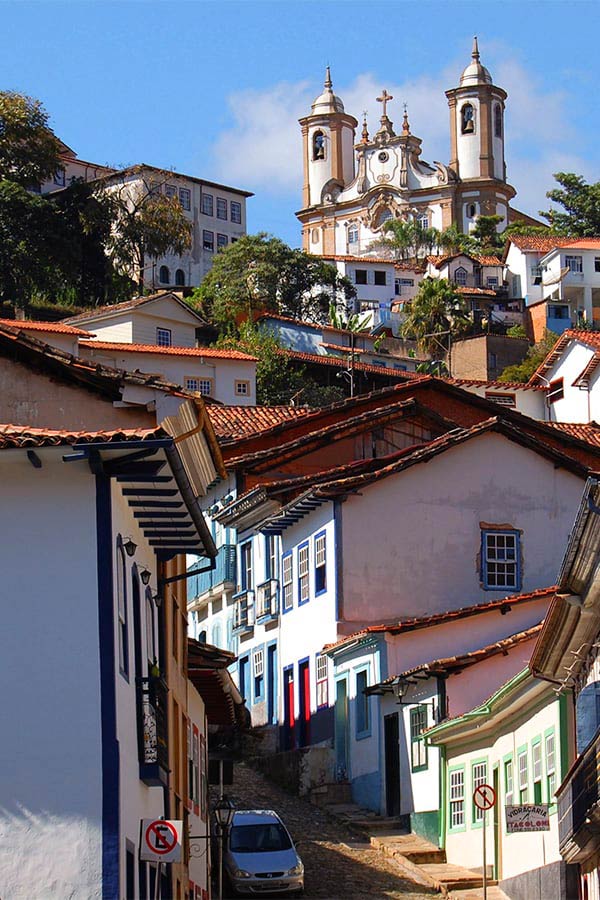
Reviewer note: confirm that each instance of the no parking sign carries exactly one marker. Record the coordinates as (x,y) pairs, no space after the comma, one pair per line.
(161,840)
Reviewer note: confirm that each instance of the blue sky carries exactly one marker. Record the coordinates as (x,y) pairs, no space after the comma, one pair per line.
(214,89)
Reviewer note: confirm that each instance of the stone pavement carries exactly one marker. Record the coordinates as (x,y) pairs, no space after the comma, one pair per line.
(338,863)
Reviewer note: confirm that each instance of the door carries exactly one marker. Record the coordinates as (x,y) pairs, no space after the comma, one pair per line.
(496,820)
(392,764)
(341,728)
(243,669)
(304,702)
(272,684)
(288,708)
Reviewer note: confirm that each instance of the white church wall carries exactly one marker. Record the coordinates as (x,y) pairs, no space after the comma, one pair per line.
(468,144)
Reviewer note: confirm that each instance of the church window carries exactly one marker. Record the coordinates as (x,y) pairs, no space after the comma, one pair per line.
(207,204)
(467,116)
(460,276)
(383,156)
(498,120)
(384,216)
(360,276)
(423,221)
(318,145)
(179,277)
(353,234)
(315,235)
(236,212)
(379,277)
(164,276)
(471,211)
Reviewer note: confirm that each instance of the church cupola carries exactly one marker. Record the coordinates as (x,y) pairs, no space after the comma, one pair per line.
(328,144)
(477,124)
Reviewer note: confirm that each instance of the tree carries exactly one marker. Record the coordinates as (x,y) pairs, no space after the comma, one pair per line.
(145,222)
(406,239)
(485,234)
(581,204)
(261,274)
(29,150)
(435,314)
(522,372)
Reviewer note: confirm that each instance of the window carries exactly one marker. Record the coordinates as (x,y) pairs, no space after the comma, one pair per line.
(523,776)
(597,264)
(259,674)
(208,240)
(242,388)
(221,208)
(216,635)
(241,612)
(163,337)
(150,645)
(491,281)
(380,277)
(498,120)
(207,204)
(236,212)
(574,263)
(164,276)
(536,763)
(535,274)
(457,798)
(423,221)
(363,723)
(322,666)
(185,198)
(460,276)
(353,234)
(555,390)
(550,766)
(246,579)
(122,610)
(288,586)
(508,782)
(320,563)
(471,210)
(222,241)
(467,119)
(303,587)
(318,145)
(360,276)
(397,287)
(557,312)
(179,277)
(170,190)
(271,557)
(418,747)
(201,385)
(509,400)
(478,776)
(500,560)
(59,177)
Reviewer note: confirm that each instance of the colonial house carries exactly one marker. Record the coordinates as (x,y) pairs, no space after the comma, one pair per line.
(516,741)
(468,271)
(570,375)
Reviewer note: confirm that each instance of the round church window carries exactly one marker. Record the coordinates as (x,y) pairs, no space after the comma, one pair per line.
(383,156)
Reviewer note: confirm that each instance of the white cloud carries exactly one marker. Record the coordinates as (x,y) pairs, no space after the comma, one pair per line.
(262,149)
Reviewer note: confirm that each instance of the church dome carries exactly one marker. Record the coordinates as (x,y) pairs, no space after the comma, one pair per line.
(327,102)
(475,73)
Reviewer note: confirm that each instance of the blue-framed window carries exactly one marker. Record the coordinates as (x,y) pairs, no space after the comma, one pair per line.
(363,711)
(122,610)
(303,574)
(246,568)
(271,559)
(320,551)
(258,672)
(288,582)
(500,560)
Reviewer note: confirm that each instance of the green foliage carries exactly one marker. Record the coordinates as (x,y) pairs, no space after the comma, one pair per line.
(581,204)
(346,321)
(517,331)
(436,313)
(522,372)
(485,236)
(526,229)
(261,274)
(29,151)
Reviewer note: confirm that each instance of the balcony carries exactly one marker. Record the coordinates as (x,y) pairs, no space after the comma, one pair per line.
(243,612)
(153,748)
(579,806)
(267,601)
(223,573)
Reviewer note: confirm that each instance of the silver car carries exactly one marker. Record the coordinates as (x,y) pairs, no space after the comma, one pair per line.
(260,856)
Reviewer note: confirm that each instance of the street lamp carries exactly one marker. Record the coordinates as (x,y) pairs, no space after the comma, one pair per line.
(223,811)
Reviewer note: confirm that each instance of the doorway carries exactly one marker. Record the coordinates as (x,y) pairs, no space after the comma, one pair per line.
(243,670)
(391,732)
(272,684)
(304,702)
(341,728)
(288,708)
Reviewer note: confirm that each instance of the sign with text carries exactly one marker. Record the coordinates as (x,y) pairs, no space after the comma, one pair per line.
(529,817)
(161,840)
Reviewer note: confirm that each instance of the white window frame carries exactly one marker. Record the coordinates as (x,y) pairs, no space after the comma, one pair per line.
(303,573)
(574,264)
(353,234)
(550,749)
(478,777)
(509,782)
(207,204)
(322,679)
(208,240)
(500,571)
(241,388)
(164,337)
(222,204)
(457,798)
(287,570)
(204,386)
(258,661)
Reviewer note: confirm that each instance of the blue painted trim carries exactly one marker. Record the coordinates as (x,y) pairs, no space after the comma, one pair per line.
(108,700)
(124,670)
(317,682)
(298,549)
(484,573)
(243,568)
(258,698)
(319,534)
(366,732)
(285,610)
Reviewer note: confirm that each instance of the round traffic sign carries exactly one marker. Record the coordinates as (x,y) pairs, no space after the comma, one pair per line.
(161,837)
(484,796)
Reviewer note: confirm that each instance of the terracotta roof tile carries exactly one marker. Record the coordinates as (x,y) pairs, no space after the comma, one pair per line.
(400,374)
(439,261)
(126,305)
(207,352)
(50,327)
(500,385)
(15,436)
(240,421)
(537,242)
(464,612)
(590,338)
(588,432)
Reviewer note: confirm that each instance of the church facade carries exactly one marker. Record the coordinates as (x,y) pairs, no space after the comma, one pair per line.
(352,188)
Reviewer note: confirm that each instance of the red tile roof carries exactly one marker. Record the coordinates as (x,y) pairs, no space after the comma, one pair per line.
(537,243)
(240,421)
(501,385)
(405,266)
(590,338)
(362,367)
(14,436)
(588,432)
(127,305)
(439,261)
(480,292)
(50,327)
(464,612)
(207,352)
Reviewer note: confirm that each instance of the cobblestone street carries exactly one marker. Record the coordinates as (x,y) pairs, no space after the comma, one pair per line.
(338,864)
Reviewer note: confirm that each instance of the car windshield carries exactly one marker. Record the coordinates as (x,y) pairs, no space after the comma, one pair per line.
(259,838)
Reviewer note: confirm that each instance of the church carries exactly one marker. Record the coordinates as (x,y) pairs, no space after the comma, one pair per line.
(351,188)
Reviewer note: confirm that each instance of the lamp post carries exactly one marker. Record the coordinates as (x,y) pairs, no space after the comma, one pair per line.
(223,811)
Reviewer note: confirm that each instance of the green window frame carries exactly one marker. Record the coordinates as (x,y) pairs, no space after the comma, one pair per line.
(509,781)
(456,799)
(478,776)
(418,745)
(536,769)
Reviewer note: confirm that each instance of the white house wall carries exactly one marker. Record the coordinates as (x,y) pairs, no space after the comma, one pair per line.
(577,405)
(420,551)
(118,329)
(529,402)
(51,765)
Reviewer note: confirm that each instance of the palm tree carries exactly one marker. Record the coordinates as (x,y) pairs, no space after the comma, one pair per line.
(435,314)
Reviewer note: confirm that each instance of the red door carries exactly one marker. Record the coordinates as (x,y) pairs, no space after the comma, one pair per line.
(304,674)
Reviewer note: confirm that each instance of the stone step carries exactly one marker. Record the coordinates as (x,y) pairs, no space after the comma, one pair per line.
(327,794)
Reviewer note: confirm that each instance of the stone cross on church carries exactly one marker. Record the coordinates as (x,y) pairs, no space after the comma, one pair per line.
(385,98)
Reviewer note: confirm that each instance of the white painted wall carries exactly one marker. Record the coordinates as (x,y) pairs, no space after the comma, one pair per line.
(577,405)
(468,145)
(529,402)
